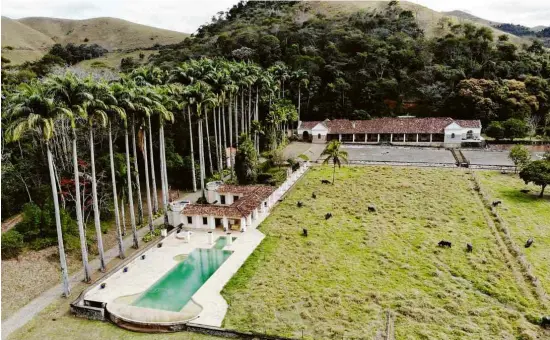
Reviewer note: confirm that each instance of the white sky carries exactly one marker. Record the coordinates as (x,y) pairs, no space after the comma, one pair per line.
(188,15)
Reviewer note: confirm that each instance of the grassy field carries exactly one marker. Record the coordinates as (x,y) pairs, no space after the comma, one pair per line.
(57,323)
(526,215)
(340,280)
(112,59)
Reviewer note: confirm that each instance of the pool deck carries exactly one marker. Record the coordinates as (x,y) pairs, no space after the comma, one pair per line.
(207,306)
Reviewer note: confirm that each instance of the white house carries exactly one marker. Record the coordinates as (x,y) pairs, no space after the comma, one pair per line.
(440,131)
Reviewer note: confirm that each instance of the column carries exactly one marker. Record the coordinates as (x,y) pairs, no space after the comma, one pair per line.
(211,222)
(430,137)
(378,140)
(391,137)
(340,137)
(225,223)
(417,137)
(366,137)
(249,221)
(404,138)
(353,137)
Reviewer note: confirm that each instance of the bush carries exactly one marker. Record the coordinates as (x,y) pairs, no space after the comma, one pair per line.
(105,227)
(42,243)
(266,178)
(151,236)
(304,157)
(12,244)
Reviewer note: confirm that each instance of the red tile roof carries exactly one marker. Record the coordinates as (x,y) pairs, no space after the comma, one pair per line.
(309,125)
(395,125)
(469,123)
(253,196)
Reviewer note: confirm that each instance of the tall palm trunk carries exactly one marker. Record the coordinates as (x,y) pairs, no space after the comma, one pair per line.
(96,205)
(216,136)
(153,177)
(115,196)
(230,119)
(237,120)
(149,203)
(299,100)
(164,179)
(201,158)
(256,135)
(243,114)
(123,216)
(333,172)
(62,259)
(249,109)
(136,169)
(79,219)
(208,141)
(192,151)
(130,194)
(221,143)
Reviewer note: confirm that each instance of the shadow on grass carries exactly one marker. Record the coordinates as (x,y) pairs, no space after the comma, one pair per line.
(516,196)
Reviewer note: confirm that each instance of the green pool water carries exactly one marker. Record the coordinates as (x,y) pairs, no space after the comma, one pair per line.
(176,288)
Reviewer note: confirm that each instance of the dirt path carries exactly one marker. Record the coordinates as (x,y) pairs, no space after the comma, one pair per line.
(30,310)
(11,222)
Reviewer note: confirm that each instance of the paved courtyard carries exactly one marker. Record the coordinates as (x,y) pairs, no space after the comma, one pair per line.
(372,153)
(482,157)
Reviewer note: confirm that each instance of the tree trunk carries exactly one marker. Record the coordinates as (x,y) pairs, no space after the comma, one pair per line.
(216,136)
(79,219)
(123,214)
(163,177)
(243,114)
(256,136)
(542,191)
(62,259)
(208,142)
(136,169)
(96,206)
(192,151)
(333,172)
(201,158)
(153,177)
(237,120)
(149,203)
(230,121)
(115,196)
(130,194)
(249,109)
(299,100)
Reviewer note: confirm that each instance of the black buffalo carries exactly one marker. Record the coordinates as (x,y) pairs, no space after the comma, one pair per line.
(444,244)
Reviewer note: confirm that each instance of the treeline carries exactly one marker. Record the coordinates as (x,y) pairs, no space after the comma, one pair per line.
(378,63)
(518,30)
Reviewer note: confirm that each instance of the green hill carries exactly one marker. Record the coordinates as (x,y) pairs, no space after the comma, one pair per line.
(30,38)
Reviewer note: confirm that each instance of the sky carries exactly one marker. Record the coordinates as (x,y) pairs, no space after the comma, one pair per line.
(187,15)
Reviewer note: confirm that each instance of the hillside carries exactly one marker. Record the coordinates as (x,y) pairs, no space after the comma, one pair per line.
(467,16)
(34,36)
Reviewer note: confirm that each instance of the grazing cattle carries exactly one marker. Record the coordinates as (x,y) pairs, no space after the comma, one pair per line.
(525,191)
(300,204)
(444,244)
(529,242)
(496,203)
(469,248)
(328,215)
(371,208)
(324,181)
(545,321)
(304,232)
(313,195)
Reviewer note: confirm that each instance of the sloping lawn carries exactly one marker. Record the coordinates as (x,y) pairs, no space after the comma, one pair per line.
(340,280)
(526,215)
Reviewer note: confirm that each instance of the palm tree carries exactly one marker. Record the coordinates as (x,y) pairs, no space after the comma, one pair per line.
(300,77)
(126,98)
(333,152)
(71,91)
(116,112)
(34,111)
(99,102)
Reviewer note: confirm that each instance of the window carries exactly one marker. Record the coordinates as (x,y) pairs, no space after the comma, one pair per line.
(189,220)
(222,199)
(319,136)
(235,198)
(452,135)
(470,134)
(205,220)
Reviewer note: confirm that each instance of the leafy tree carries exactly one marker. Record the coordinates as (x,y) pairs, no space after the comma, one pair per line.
(520,156)
(495,130)
(334,154)
(515,128)
(12,244)
(537,172)
(246,162)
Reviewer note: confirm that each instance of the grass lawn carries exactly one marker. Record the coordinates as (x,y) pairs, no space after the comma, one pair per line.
(526,215)
(341,279)
(56,322)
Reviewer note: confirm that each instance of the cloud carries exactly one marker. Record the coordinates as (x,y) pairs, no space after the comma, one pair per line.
(188,15)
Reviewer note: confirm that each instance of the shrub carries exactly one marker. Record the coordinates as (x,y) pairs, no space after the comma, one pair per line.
(304,157)
(42,243)
(105,227)
(12,244)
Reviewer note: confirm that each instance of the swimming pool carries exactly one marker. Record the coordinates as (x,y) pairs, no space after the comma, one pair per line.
(174,290)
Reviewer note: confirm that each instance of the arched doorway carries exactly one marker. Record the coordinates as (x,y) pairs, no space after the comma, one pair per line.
(305,136)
